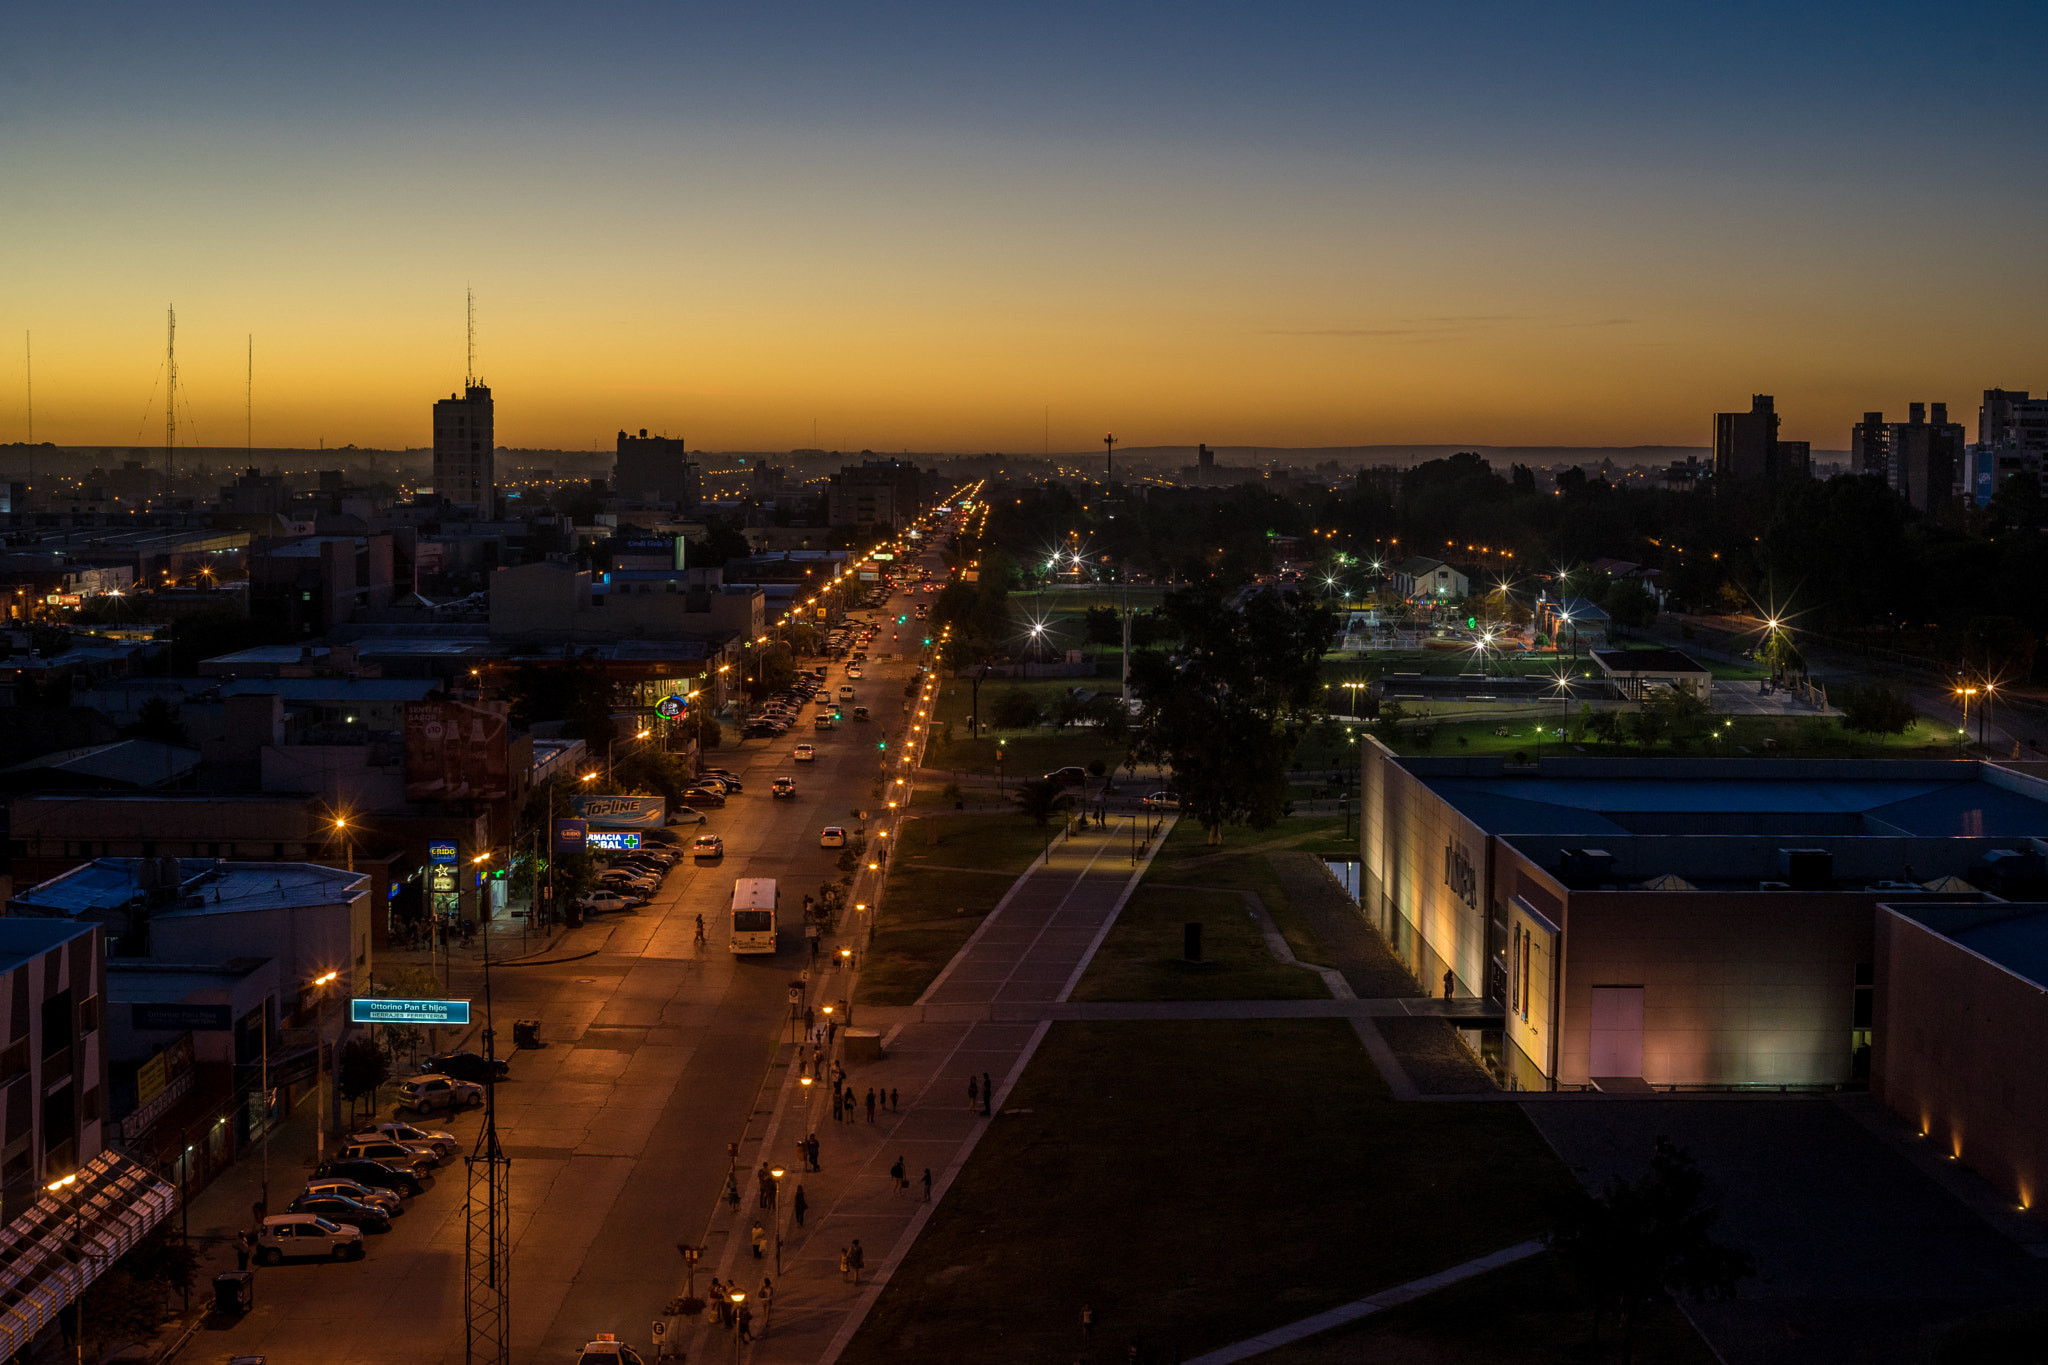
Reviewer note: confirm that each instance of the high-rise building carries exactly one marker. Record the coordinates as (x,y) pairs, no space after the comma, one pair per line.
(878,493)
(465,462)
(657,469)
(1920,459)
(1746,445)
(2012,440)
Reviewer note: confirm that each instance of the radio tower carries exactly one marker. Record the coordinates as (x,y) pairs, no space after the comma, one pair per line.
(170,403)
(469,366)
(487,1256)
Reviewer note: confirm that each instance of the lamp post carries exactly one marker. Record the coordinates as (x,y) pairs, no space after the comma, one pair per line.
(58,1186)
(775,1174)
(348,844)
(320,1079)
(738,1297)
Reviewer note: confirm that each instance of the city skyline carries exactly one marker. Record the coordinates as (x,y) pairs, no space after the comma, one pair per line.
(933,231)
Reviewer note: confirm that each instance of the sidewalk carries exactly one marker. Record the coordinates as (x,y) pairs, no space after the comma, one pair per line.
(1027,954)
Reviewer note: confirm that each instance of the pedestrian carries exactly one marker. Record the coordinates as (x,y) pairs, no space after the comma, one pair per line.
(242,1249)
(831,1031)
(892,1101)
(1450,982)
(871,1104)
(798,1205)
(1087,1323)
(845,1263)
(858,1257)
(927,1184)
(896,1176)
(988,1093)
(850,1103)
(700,928)
(732,1191)
(810,1019)
(765,1183)
(759,1236)
(814,1153)
(835,1104)
(746,1323)
(766,1298)
(716,1295)
(973,1093)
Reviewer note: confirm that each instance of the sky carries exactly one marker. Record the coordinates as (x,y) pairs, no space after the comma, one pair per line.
(1007,228)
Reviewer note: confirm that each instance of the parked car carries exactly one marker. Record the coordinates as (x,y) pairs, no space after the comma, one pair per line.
(598,902)
(396,1155)
(721,779)
(708,846)
(784,786)
(305,1236)
(1161,801)
(423,1094)
(391,1201)
(684,815)
(832,836)
(705,796)
(349,1213)
(374,1174)
(608,1350)
(444,1144)
(468,1066)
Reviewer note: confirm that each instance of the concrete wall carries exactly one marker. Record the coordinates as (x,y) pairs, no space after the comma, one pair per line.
(306,941)
(553,602)
(79,966)
(1957,1052)
(1426,876)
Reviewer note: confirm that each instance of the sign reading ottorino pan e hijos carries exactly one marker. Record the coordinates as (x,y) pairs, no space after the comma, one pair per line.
(378,1011)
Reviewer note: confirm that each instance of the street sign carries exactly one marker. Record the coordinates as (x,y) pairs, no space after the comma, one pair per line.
(378,1011)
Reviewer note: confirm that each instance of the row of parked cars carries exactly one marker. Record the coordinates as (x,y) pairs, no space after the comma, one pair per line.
(367,1183)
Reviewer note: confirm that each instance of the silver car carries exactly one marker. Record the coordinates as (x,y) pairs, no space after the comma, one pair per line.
(306,1236)
(424,1093)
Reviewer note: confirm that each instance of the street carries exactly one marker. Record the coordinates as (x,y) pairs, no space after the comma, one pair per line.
(655,1053)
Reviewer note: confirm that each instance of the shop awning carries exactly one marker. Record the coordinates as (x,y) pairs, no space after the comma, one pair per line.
(70,1238)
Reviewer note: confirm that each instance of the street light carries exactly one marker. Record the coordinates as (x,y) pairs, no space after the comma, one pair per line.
(738,1297)
(776,1173)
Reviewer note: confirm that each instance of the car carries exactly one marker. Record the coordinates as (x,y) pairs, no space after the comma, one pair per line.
(608,1350)
(306,1236)
(720,772)
(825,722)
(1162,801)
(805,753)
(597,902)
(784,786)
(705,796)
(433,1140)
(391,1201)
(860,713)
(684,815)
(1068,777)
(855,674)
(621,881)
(398,1155)
(339,1208)
(832,836)
(424,1093)
(845,692)
(707,846)
(375,1174)
(468,1066)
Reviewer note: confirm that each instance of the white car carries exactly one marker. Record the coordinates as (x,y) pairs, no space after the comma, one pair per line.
(608,1350)
(599,901)
(846,691)
(305,1236)
(833,836)
(433,1151)
(423,1094)
(684,815)
(1161,801)
(805,753)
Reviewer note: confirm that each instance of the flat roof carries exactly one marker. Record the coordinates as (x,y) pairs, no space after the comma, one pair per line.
(2014,936)
(24,940)
(108,884)
(1647,661)
(333,689)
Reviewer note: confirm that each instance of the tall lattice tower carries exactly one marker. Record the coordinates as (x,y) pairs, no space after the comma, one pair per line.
(487,1256)
(170,403)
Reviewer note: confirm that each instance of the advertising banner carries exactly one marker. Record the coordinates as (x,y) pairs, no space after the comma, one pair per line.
(621,812)
(569,835)
(441,851)
(381,1011)
(614,840)
(183,1018)
(456,751)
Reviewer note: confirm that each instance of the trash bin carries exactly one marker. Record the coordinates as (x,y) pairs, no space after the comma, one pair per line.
(526,1033)
(234,1292)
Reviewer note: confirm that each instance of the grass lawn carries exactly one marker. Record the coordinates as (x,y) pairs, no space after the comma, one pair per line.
(1240,865)
(1197,1182)
(1141,959)
(1529,1312)
(929,908)
(1762,736)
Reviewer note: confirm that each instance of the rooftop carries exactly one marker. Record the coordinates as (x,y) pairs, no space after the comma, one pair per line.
(1646,661)
(22,940)
(206,886)
(2012,936)
(125,762)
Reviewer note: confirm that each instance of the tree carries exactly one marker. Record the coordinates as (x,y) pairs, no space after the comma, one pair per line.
(1629,604)
(772,671)
(1041,799)
(1387,725)
(709,735)
(724,541)
(1218,713)
(157,719)
(1105,626)
(1874,708)
(131,1300)
(1013,709)
(1642,1242)
(363,1067)
(1781,655)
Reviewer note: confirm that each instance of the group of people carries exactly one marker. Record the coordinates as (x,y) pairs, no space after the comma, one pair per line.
(844,1105)
(737,1316)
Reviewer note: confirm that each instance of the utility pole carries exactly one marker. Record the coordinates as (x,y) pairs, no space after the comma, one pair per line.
(28,355)
(487,1253)
(1108,452)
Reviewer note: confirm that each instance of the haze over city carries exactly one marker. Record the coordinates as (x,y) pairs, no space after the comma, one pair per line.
(938,228)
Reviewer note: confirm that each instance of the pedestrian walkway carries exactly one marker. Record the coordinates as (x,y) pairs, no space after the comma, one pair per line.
(1027,955)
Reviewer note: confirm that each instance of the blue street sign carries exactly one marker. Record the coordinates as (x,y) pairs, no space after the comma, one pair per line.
(377,1011)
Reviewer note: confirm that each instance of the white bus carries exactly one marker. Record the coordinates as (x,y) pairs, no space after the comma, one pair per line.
(754,901)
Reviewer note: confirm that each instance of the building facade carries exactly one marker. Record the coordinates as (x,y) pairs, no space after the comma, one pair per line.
(465,452)
(1746,445)
(53,1056)
(656,469)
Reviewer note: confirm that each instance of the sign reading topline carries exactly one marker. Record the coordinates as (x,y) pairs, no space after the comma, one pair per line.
(376,1011)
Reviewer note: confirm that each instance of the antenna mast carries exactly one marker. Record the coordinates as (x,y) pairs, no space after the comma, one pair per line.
(249,399)
(28,352)
(469,371)
(170,402)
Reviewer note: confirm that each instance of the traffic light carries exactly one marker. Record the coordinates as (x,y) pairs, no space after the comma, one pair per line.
(881,744)
(1471,623)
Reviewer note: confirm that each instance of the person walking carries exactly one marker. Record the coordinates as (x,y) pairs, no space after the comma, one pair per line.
(746,1324)
(836,1102)
(845,1263)
(871,1104)
(764,1186)
(716,1295)
(732,1190)
(810,1019)
(858,1257)
(973,1093)
(927,1184)
(851,1104)
(759,1236)
(892,1101)
(766,1298)
(798,1205)
(700,928)
(813,1144)
(897,1177)
(1087,1323)
(242,1249)
(988,1093)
